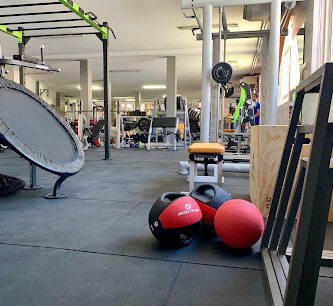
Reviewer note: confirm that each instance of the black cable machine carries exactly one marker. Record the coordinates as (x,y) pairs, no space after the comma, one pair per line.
(26,29)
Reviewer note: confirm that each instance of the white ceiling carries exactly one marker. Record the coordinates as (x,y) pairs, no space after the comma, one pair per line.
(146,33)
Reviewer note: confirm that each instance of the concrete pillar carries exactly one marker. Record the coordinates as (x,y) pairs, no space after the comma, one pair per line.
(206,72)
(214,123)
(60,103)
(137,100)
(86,88)
(263,86)
(273,68)
(171,110)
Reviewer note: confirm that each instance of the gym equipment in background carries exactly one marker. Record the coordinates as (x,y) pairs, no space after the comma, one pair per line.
(165,127)
(174,219)
(194,120)
(239,224)
(38,133)
(241,120)
(210,198)
(90,136)
(10,184)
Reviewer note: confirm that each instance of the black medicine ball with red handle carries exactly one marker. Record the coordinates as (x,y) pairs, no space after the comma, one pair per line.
(175,218)
(209,197)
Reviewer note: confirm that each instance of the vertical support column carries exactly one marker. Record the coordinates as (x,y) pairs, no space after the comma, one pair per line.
(86,88)
(21,47)
(137,100)
(32,168)
(273,68)
(13,74)
(171,110)
(263,91)
(215,94)
(60,103)
(107,92)
(206,72)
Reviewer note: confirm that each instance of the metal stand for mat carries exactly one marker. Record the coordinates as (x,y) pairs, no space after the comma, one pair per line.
(56,189)
(295,283)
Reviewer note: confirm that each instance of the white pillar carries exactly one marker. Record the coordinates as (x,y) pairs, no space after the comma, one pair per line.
(13,74)
(86,88)
(206,72)
(215,94)
(60,103)
(171,110)
(137,100)
(273,68)
(263,91)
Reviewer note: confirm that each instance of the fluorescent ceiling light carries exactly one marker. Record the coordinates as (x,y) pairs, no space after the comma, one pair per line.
(123,98)
(154,87)
(94,87)
(125,70)
(130,100)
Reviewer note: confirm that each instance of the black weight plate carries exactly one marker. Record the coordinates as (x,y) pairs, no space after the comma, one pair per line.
(222,72)
(144,124)
(143,138)
(229,91)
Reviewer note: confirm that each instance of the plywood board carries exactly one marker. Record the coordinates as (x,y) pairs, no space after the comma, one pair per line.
(267,144)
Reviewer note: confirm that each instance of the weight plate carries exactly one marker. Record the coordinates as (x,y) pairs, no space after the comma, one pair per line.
(144,124)
(143,138)
(222,72)
(229,91)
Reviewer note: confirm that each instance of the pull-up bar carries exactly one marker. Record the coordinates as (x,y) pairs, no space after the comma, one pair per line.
(28,5)
(90,19)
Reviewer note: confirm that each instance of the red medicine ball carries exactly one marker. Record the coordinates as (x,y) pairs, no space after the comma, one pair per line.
(209,197)
(239,224)
(175,218)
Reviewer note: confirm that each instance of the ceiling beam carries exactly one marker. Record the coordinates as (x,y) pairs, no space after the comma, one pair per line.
(191,4)
(247,34)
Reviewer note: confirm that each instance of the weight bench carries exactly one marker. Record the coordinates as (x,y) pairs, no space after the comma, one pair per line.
(169,126)
(205,153)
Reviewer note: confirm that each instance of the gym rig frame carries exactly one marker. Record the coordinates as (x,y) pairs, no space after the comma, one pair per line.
(295,282)
(82,20)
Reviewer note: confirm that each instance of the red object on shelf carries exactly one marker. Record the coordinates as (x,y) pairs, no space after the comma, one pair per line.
(93,122)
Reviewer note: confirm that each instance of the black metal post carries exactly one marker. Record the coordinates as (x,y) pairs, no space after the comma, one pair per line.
(107,95)
(32,168)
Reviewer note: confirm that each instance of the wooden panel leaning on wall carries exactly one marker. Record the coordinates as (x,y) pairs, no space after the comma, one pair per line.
(267,143)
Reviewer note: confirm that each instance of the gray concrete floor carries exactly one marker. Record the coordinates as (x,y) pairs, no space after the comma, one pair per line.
(95,247)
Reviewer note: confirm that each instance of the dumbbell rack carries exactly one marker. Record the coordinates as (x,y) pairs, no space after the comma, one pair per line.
(295,283)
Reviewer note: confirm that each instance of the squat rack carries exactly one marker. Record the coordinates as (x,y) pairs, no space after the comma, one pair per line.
(49,28)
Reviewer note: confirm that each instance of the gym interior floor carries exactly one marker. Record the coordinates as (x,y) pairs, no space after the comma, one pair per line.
(95,247)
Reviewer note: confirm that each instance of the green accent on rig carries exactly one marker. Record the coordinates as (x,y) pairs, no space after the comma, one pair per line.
(240,105)
(16,34)
(294,96)
(80,12)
